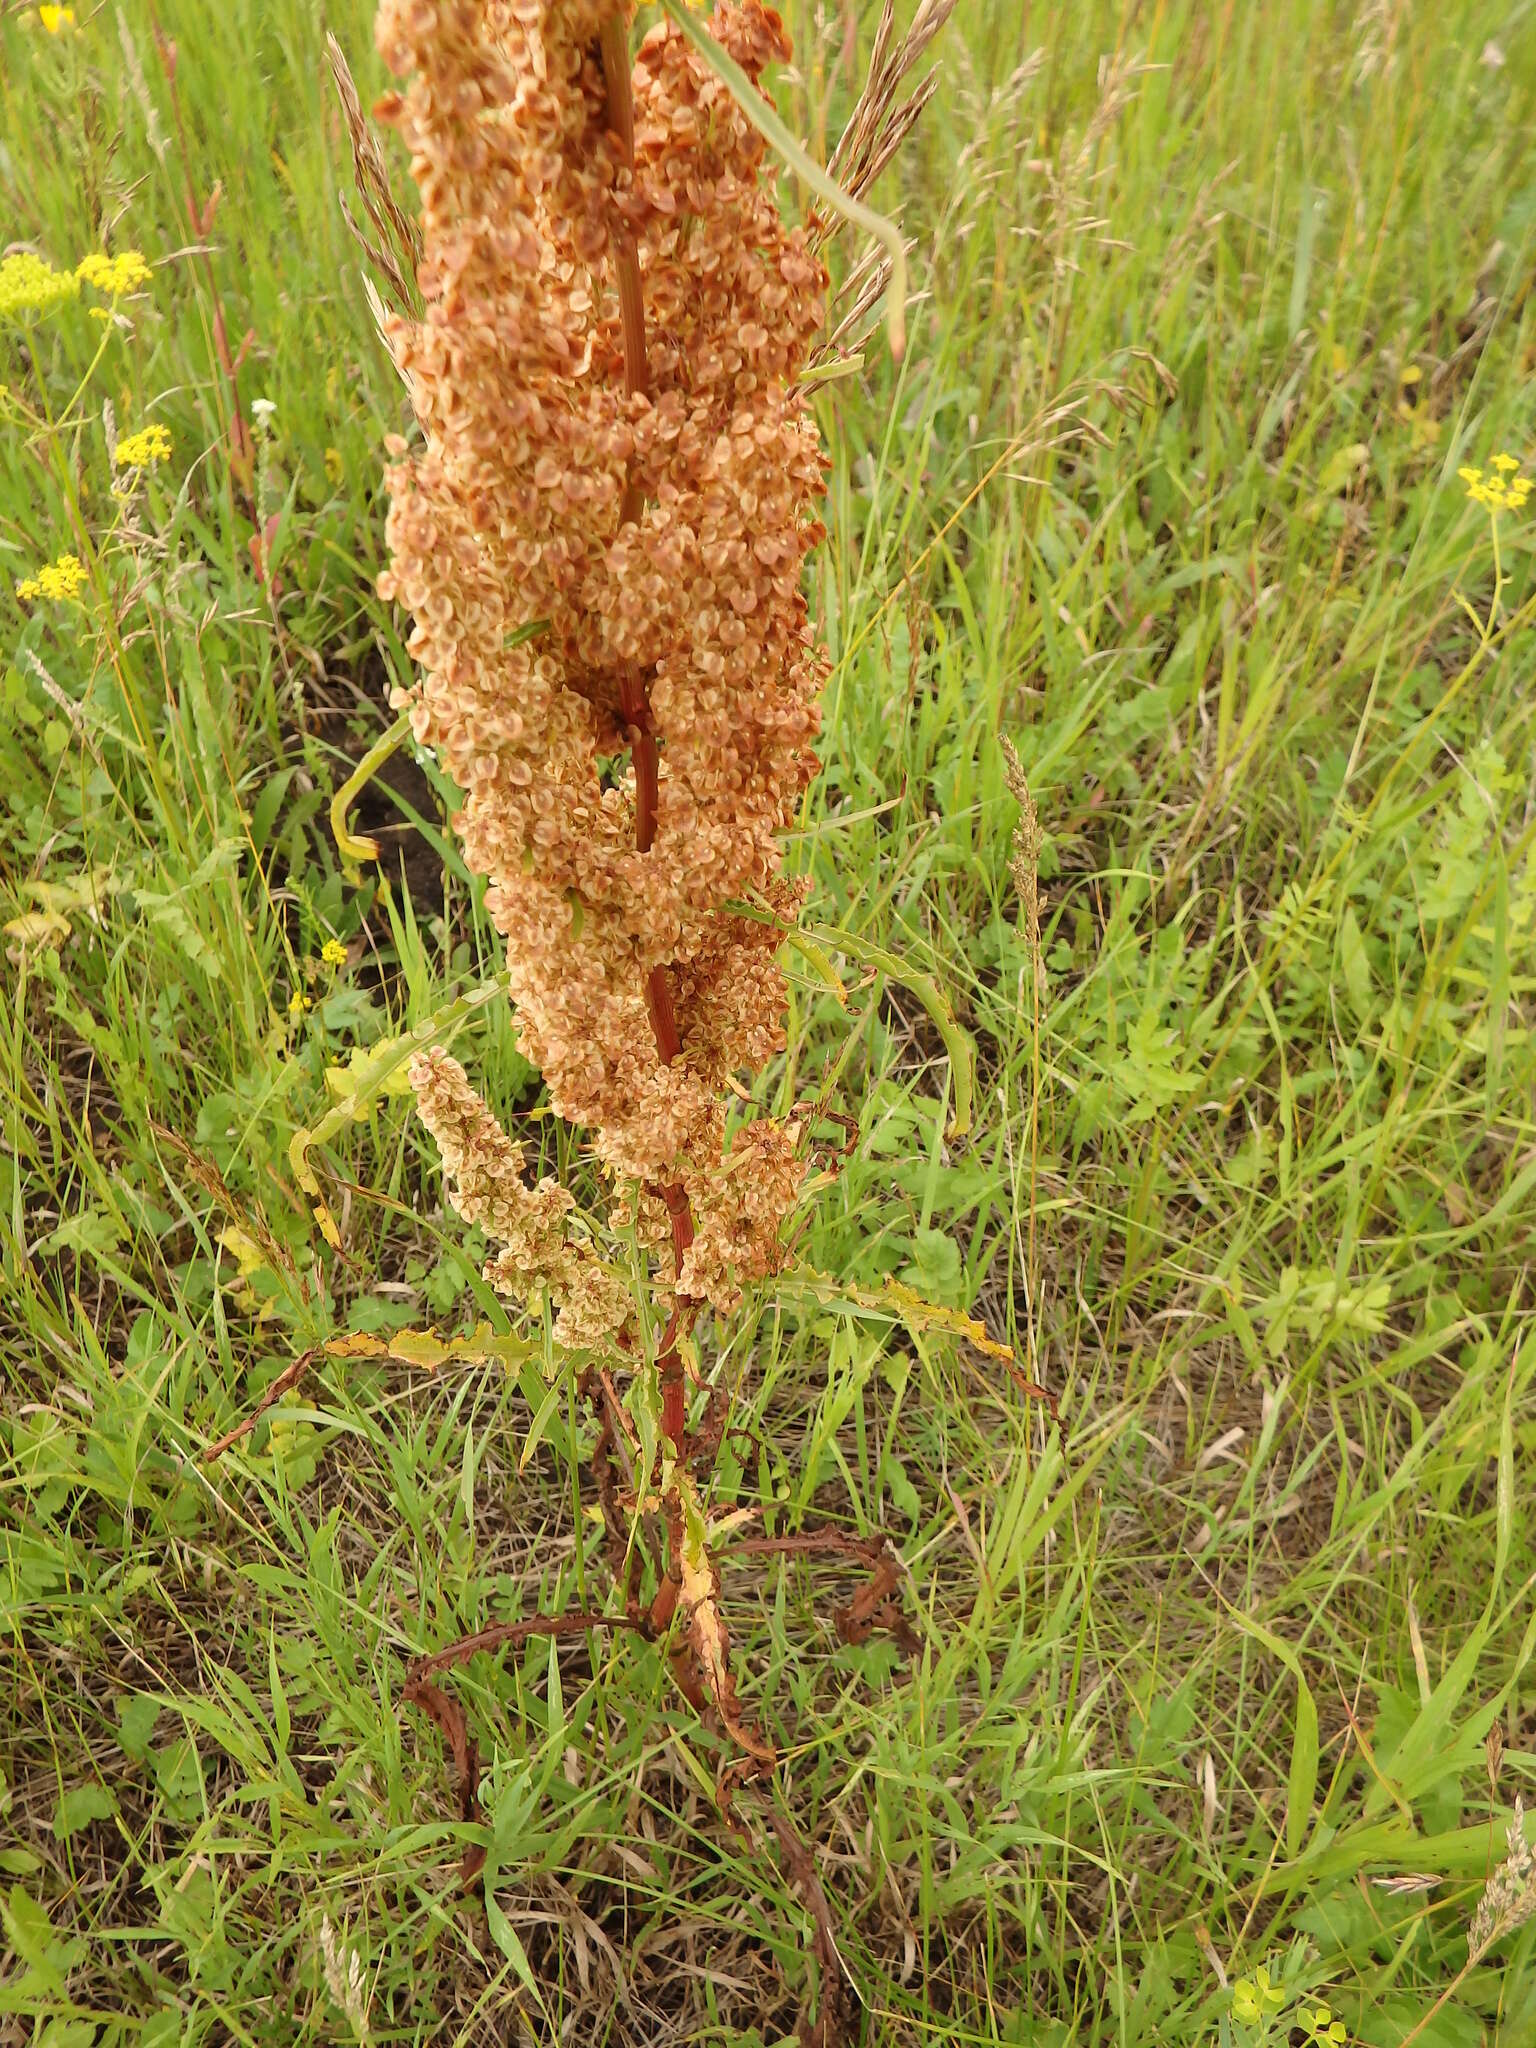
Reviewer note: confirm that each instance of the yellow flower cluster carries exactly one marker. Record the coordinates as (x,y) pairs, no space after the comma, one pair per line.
(139,450)
(606,376)
(60,582)
(333,954)
(56,19)
(114,275)
(28,284)
(1504,490)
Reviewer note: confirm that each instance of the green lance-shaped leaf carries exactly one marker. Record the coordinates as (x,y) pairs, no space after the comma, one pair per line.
(816,942)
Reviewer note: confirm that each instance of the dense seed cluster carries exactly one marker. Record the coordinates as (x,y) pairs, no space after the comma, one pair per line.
(655,523)
(483,1169)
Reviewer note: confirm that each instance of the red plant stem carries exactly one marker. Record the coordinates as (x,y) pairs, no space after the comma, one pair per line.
(634,695)
(242,453)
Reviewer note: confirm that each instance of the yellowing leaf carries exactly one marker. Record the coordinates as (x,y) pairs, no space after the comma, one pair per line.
(246,1252)
(370,1071)
(38,927)
(1341,467)
(85,891)
(380,1070)
(425,1350)
(904,1304)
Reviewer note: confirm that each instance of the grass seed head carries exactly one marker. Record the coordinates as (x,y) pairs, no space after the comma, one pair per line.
(1024,859)
(1509,1897)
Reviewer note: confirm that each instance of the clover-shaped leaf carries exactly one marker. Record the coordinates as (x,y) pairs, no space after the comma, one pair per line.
(1322,2028)
(1255,1997)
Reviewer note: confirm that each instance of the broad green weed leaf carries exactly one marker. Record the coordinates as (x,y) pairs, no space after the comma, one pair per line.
(936,1269)
(80,1806)
(136,1718)
(30,1936)
(904,1494)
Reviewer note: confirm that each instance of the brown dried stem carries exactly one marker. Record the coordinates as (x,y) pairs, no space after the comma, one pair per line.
(502,1633)
(285,1382)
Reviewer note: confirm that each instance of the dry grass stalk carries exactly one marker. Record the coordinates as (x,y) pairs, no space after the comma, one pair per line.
(397,251)
(877,126)
(1024,859)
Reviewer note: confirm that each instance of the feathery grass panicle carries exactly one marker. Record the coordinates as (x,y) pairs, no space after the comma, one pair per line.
(1509,1897)
(877,126)
(344,1981)
(396,252)
(873,134)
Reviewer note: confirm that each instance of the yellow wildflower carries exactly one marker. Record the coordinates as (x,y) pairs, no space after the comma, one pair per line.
(114,275)
(60,582)
(298,1005)
(149,445)
(29,285)
(1505,491)
(56,19)
(335,469)
(333,954)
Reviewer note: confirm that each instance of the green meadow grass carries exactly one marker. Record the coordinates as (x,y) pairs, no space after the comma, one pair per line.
(1215,301)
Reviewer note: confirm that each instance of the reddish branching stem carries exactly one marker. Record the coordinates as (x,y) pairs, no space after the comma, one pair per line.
(634,693)
(500,1634)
